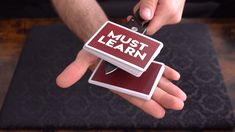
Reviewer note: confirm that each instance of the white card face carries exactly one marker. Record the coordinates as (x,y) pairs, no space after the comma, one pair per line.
(121,81)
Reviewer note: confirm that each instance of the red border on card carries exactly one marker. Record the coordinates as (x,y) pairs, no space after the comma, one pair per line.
(139,65)
(142,87)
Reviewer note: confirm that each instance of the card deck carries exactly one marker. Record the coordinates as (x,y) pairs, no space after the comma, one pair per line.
(121,81)
(124,48)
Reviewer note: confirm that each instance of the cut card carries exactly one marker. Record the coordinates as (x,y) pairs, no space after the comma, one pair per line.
(121,81)
(124,48)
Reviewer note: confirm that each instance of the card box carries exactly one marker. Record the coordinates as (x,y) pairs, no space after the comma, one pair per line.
(121,81)
(124,48)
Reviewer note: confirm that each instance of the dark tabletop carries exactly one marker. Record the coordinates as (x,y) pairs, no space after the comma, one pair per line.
(13,34)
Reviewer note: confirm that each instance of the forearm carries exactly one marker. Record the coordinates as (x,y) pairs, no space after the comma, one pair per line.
(83,17)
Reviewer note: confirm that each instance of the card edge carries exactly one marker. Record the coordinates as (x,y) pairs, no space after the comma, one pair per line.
(112,87)
(157,79)
(141,69)
(127,91)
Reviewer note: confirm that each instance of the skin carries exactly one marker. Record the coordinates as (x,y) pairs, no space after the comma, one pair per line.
(84,17)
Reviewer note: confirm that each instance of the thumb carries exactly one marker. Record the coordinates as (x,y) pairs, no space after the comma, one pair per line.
(74,71)
(147,8)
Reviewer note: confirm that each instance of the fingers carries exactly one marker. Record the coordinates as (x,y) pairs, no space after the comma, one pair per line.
(171,89)
(166,12)
(129,18)
(151,107)
(171,74)
(163,98)
(137,6)
(76,69)
(166,85)
(147,8)
(71,74)
(167,100)
(160,13)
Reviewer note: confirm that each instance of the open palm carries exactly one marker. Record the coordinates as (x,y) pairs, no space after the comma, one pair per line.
(166,96)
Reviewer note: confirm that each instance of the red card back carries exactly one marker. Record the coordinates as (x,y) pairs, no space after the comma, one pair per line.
(124,44)
(121,79)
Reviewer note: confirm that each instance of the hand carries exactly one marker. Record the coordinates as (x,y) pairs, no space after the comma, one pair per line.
(166,96)
(160,12)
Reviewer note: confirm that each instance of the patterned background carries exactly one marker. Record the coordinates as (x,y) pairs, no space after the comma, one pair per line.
(34,100)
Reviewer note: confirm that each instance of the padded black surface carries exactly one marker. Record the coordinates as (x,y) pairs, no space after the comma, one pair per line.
(34,100)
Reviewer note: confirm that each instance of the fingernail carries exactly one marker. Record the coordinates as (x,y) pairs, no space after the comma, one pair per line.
(181,105)
(184,96)
(147,13)
(178,76)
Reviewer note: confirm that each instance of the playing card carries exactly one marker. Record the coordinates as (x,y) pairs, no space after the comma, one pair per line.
(121,81)
(124,48)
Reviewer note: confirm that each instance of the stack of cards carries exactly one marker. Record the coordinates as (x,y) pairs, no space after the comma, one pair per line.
(133,53)
(129,50)
(121,81)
